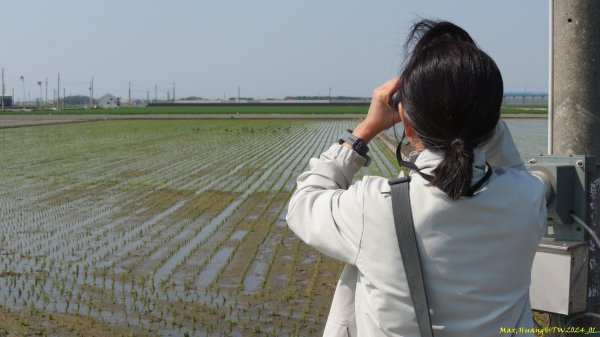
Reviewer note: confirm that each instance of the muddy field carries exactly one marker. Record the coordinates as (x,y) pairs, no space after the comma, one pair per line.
(15,120)
(162,228)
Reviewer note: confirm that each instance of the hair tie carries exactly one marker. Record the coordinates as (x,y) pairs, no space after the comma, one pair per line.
(457,141)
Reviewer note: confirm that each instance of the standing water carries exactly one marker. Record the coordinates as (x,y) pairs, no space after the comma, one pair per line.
(530,135)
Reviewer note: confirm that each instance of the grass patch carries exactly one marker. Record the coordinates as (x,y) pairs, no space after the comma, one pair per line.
(226,110)
(525,109)
(247,109)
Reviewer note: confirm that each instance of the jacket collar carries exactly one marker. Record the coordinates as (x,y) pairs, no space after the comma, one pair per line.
(427,160)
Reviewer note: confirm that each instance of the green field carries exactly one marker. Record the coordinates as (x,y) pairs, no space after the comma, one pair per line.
(525,109)
(226,110)
(244,109)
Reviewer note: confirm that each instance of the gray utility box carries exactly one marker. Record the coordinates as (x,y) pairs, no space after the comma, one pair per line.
(566,183)
(559,277)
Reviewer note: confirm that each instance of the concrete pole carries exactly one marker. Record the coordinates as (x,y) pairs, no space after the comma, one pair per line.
(2,89)
(41,95)
(24,103)
(92,94)
(58,93)
(576,103)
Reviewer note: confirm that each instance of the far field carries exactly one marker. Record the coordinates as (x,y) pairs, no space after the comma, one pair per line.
(253,109)
(162,228)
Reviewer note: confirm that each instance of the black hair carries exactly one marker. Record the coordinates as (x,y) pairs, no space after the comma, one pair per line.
(451,92)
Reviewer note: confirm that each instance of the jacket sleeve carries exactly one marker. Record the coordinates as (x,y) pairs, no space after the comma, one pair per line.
(500,149)
(325,211)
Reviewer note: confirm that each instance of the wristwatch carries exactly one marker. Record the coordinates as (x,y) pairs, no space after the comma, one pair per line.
(358,145)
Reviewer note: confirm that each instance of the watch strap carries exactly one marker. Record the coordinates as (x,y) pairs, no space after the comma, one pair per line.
(348,137)
(358,145)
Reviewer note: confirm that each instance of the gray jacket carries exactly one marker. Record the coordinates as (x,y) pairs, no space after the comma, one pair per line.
(476,252)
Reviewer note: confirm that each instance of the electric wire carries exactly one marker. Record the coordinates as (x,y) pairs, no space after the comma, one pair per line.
(586,227)
(579,316)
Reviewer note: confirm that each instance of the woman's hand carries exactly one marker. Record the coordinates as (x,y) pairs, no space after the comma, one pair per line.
(381,115)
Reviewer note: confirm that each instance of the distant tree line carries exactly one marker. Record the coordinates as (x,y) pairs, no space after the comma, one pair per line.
(77,100)
(323,97)
(241,98)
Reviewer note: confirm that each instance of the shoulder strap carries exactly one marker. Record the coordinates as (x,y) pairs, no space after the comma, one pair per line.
(405,231)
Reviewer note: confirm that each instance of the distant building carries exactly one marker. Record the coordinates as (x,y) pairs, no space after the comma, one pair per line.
(525,98)
(108,101)
(8,101)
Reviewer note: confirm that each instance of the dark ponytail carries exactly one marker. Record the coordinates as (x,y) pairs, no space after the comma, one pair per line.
(453,174)
(451,92)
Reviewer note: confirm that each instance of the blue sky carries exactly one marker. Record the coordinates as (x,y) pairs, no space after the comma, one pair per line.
(268,48)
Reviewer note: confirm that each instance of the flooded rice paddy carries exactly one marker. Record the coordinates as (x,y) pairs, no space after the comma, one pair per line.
(170,228)
(165,227)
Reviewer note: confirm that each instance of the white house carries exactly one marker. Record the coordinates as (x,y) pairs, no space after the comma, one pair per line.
(108,101)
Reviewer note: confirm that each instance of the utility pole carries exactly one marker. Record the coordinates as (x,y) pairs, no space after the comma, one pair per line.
(22,78)
(129,94)
(147,97)
(41,94)
(173,92)
(329,94)
(2,89)
(92,93)
(46,100)
(574,105)
(58,93)
(238,98)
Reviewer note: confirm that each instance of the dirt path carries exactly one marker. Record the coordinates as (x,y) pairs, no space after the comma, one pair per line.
(12,121)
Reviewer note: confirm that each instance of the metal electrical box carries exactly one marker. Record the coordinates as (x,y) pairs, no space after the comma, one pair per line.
(560,267)
(559,277)
(566,177)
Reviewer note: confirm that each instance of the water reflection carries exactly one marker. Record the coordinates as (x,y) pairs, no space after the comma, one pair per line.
(530,135)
